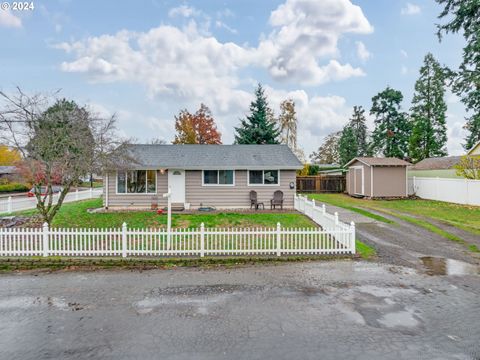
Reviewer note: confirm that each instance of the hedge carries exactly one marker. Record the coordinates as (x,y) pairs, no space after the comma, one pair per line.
(14,187)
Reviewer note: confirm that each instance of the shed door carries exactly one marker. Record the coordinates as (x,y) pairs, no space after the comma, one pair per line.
(358,186)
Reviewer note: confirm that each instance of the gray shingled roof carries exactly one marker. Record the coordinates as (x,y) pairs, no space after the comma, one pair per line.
(379,161)
(439,163)
(197,157)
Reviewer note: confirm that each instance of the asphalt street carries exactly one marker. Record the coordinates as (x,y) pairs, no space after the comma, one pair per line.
(316,310)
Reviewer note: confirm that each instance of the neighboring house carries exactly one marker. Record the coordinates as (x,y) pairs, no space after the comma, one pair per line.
(475,150)
(377,177)
(443,167)
(221,176)
(8,172)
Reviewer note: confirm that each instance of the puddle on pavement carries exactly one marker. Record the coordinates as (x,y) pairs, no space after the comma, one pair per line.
(443,266)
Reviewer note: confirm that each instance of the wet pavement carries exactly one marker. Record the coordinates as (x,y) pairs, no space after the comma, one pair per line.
(316,310)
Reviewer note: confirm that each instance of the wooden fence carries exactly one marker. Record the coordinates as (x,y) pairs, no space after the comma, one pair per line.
(321,184)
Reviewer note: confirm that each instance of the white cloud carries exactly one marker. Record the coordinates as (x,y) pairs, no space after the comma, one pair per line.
(186,66)
(410,9)
(306,31)
(404,70)
(221,25)
(455,134)
(7,19)
(404,53)
(362,52)
(184,11)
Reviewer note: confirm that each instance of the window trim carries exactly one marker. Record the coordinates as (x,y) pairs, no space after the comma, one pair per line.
(218,185)
(263,177)
(146,183)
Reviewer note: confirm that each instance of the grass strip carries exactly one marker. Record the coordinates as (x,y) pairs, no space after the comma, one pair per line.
(91,264)
(366,252)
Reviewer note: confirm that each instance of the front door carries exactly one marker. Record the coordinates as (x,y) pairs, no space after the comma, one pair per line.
(176,182)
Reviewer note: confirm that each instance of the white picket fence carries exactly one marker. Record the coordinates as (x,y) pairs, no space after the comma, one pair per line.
(328,221)
(460,191)
(178,242)
(12,204)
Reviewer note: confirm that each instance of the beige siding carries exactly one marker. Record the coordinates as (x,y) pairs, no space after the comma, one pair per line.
(366,178)
(238,195)
(136,200)
(389,181)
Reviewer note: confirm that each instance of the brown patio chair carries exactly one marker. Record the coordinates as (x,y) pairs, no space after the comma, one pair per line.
(254,200)
(277,200)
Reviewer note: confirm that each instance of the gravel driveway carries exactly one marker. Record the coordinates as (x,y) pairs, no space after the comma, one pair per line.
(327,310)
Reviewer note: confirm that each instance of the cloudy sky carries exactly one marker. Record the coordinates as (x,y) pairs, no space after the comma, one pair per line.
(145,60)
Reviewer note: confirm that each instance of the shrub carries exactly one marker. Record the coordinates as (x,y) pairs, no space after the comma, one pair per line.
(13,187)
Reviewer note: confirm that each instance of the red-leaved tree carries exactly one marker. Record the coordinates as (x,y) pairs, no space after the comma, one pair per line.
(198,128)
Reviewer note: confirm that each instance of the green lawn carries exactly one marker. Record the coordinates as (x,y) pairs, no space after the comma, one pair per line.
(462,216)
(76,215)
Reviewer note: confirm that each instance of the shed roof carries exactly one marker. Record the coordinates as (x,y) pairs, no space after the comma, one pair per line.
(378,161)
(438,163)
(198,157)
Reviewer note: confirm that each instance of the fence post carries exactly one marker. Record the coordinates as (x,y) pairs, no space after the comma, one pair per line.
(91,193)
(9,204)
(124,240)
(336,218)
(45,239)
(76,195)
(202,239)
(352,237)
(279,240)
(324,209)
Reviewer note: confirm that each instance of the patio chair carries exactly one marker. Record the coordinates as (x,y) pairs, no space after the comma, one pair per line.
(254,200)
(277,200)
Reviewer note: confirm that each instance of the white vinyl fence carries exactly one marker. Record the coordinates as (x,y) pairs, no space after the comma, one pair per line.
(460,191)
(12,204)
(333,238)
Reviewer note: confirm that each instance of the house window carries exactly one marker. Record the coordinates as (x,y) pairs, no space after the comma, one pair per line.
(217,177)
(263,177)
(136,182)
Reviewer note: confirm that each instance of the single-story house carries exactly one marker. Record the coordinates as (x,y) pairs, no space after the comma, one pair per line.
(375,177)
(220,176)
(443,167)
(475,150)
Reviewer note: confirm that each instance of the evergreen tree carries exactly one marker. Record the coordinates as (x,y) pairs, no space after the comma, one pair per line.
(463,16)
(359,128)
(347,145)
(257,128)
(392,127)
(429,134)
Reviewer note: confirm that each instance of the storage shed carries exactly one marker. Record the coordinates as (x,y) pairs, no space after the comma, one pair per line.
(377,177)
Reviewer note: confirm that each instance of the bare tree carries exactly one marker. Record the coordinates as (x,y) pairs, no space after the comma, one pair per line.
(59,142)
(287,123)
